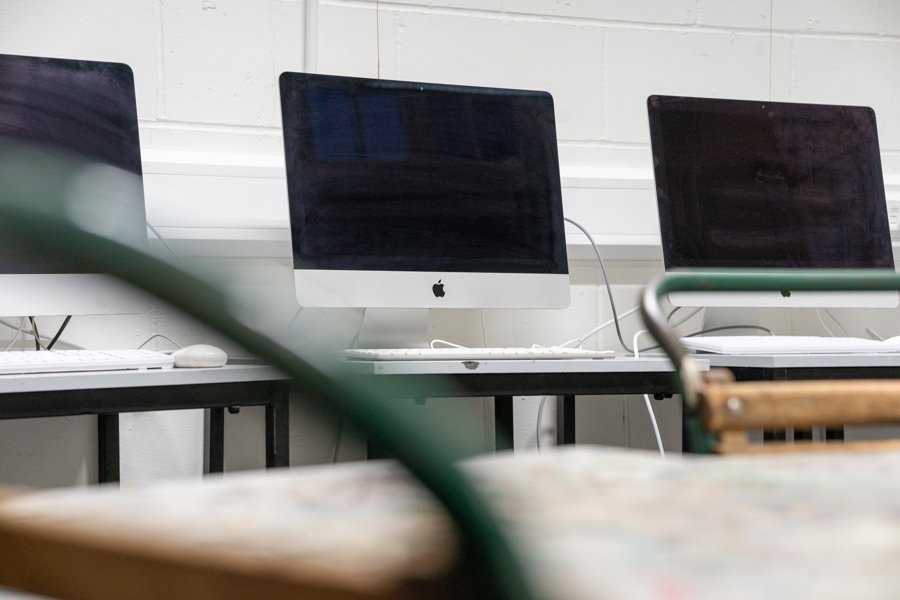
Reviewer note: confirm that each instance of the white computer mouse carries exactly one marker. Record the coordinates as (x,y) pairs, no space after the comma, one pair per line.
(200,355)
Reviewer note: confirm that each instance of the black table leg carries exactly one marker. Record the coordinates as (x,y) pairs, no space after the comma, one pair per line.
(108,447)
(834,434)
(216,440)
(503,422)
(277,422)
(565,420)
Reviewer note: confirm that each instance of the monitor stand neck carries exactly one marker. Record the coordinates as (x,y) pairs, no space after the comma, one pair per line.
(725,317)
(394,328)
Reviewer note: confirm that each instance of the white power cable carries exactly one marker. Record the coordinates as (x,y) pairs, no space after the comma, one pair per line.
(165,243)
(598,329)
(612,302)
(435,343)
(822,322)
(837,322)
(659,444)
(537,430)
(687,318)
(874,335)
(15,336)
(29,331)
(161,336)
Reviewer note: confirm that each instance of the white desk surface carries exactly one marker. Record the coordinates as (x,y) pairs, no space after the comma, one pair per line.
(788,361)
(43,382)
(618,364)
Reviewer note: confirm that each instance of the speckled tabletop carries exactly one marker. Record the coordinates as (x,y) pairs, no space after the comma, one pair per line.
(589,522)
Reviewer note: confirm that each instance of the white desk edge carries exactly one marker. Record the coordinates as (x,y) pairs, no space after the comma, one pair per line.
(619,364)
(776,361)
(42,382)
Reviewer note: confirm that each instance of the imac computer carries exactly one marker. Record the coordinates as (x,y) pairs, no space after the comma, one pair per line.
(417,195)
(769,185)
(77,118)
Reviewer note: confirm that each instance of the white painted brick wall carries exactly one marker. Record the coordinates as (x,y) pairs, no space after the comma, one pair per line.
(848,71)
(674,12)
(874,17)
(221,64)
(640,62)
(563,58)
(129,32)
(207,70)
(737,14)
(215,63)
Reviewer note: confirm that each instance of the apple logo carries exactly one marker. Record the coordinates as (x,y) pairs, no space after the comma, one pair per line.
(438,289)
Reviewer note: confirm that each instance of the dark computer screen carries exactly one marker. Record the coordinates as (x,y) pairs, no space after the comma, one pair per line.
(83,107)
(389,175)
(78,110)
(749,184)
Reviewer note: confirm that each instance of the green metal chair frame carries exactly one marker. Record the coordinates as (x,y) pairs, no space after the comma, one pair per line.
(694,386)
(29,212)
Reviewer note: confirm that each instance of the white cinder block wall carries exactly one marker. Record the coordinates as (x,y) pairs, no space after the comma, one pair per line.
(206,75)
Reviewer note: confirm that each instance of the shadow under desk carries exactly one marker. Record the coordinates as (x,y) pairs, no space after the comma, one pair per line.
(503,379)
(108,393)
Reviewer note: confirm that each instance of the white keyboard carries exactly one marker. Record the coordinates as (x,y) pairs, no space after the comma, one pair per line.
(472,353)
(66,361)
(788,344)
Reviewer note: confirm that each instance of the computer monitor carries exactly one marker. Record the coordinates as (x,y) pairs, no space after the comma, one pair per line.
(769,185)
(82,115)
(419,195)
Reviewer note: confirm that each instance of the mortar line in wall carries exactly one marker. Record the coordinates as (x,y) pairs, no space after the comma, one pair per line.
(793,71)
(274,103)
(161,72)
(604,78)
(505,15)
(399,32)
(613,23)
(211,127)
(377,39)
(771,44)
(840,35)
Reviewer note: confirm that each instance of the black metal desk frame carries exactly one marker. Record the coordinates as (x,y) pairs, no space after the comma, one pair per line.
(108,403)
(564,386)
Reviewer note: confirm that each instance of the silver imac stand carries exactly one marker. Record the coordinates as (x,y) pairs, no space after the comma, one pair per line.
(394,328)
